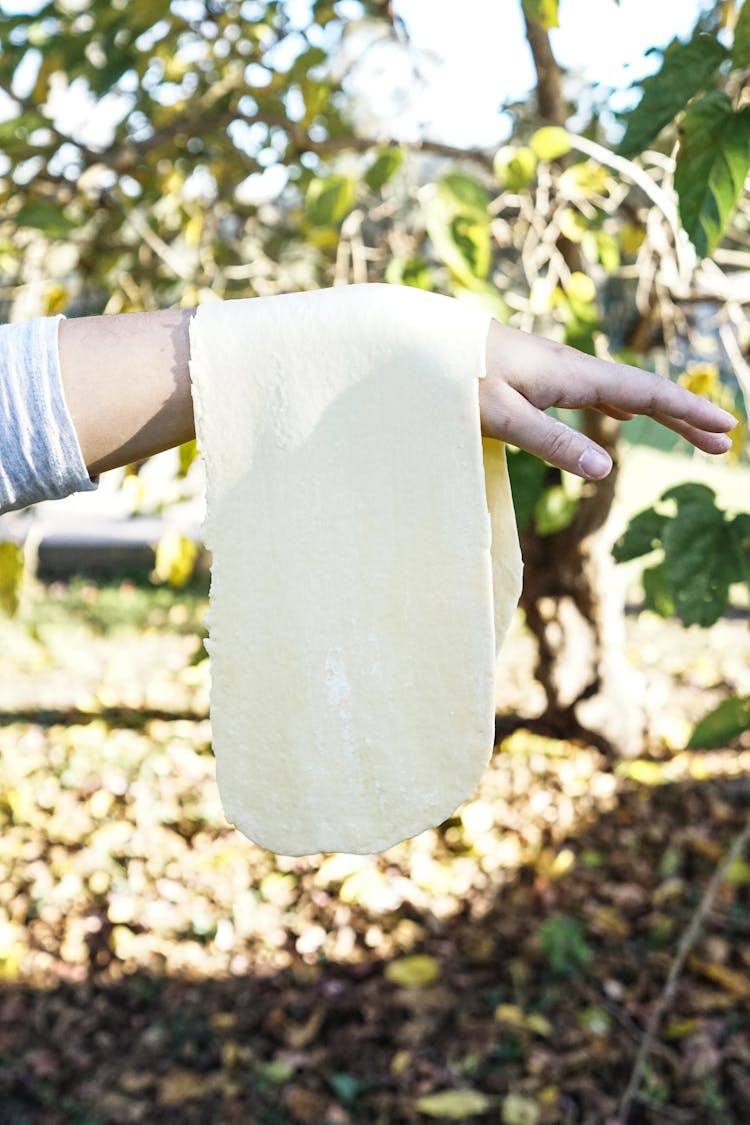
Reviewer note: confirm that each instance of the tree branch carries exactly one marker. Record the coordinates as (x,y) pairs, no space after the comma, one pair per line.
(686,944)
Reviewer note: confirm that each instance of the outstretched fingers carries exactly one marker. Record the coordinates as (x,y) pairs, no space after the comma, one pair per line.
(509,416)
(526,374)
(643,392)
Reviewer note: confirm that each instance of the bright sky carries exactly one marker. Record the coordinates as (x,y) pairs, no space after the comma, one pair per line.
(486,61)
(480,61)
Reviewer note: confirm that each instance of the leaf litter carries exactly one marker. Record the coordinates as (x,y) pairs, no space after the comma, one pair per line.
(157,967)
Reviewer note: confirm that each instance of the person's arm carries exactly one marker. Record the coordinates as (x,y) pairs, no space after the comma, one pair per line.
(127,386)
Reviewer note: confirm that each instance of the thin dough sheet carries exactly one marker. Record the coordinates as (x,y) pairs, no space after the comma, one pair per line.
(353,623)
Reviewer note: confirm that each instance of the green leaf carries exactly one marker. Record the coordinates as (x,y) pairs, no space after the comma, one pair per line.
(384,167)
(607,250)
(515,167)
(456,1105)
(458,224)
(44,216)
(527,477)
(655,591)
(409,271)
(305,61)
(699,564)
(554,510)
(642,536)
(472,241)
(562,940)
(720,726)
(543,12)
(739,530)
(690,493)
(330,199)
(741,44)
(685,70)
(464,195)
(277,1070)
(346,1087)
(712,165)
(19,128)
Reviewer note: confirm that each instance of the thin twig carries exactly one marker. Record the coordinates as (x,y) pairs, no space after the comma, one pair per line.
(656,194)
(162,250)
(737,359)
(632,1091)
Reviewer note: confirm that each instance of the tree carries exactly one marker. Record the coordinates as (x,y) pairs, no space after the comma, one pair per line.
(203,100)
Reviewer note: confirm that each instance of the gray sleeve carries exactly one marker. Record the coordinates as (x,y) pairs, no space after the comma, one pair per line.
(40,457)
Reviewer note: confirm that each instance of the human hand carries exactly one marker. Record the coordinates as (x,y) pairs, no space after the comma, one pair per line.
(526,374)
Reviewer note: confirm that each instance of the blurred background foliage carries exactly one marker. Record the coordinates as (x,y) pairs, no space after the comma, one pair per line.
(171,153)
(168,153)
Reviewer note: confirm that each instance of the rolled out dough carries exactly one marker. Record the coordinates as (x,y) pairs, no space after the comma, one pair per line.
(352,630)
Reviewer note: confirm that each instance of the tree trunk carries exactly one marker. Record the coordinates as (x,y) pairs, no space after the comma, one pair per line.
(573,595)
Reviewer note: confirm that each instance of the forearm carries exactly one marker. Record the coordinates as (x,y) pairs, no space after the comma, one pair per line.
(127,384)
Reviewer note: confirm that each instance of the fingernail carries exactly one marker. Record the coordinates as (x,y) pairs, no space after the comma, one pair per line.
(594,463)
(725,442)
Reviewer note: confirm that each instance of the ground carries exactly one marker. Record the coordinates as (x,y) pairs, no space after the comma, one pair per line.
(156,967)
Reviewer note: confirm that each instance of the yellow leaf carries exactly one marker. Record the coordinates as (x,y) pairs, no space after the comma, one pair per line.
(400,1062)
(193,230)
(572,224)
(518,1110)
(223,1021)
(175,558)
(737,873)
(608,920)
(632,238)
(515,167)
(728,14)
(548,1095)
(182,1085)
(55,300)
(705,380)
(728,979)
(514,1016)
(550,142)
(701,379)
(456,1105)
(11,576)
(680,1029)
(511,1014)
(417,971)
(563,862)
(172,182)
(643,771)
(539,1024)
(585,180)
(363,886)
(339,866)
(186,453)
(580,287)
(278,1070)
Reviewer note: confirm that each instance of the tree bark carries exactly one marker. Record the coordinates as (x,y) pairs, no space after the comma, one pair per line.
(573,596)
